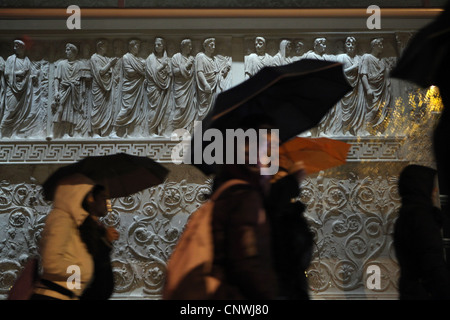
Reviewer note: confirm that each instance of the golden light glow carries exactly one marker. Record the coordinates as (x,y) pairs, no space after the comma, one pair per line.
(434,100)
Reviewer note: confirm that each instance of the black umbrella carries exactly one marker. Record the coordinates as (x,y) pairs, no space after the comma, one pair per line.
(295,96)
(425,61)
(122,174)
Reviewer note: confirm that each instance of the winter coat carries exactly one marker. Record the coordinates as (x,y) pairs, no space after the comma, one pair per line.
(417,238)
(242,240)
(102,284)
(292,238)
(61,246)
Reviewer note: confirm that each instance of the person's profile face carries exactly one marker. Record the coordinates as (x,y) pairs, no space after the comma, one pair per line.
(99,205)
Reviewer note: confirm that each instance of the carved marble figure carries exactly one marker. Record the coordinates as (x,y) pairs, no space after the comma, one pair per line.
(352,105)
(212,76)
(298,52)
(103,90)
(67,107)
(40,69)
(84,127)
(158,70)
(319,50)
(318,53)
(184,87)
(283,55)
(19,93)
(132,113)
(257,60)
(117,74)
(2,88)
(376,82)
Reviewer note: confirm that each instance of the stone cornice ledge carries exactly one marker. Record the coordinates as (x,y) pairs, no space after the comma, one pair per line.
(121,13)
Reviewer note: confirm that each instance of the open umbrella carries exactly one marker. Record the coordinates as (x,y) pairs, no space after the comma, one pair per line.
(425,61)
(295,96)
(316,153)
(122,174)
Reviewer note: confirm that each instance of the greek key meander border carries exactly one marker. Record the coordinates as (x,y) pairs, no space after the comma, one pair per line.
(47,152)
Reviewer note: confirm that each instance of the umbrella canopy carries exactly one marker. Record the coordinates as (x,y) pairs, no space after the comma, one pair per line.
(295,97)
(317,154)
(122,174)
(425,61)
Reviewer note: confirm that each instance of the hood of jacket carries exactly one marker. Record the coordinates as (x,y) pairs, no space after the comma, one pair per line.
(69,196)
(416,184)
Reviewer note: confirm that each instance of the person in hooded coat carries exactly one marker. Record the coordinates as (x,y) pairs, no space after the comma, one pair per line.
(417,237)
(63,253)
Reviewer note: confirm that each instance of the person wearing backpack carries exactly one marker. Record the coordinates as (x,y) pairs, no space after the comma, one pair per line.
(242,237)
(225,250)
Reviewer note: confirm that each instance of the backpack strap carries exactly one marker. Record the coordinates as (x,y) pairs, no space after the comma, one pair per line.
(225,186)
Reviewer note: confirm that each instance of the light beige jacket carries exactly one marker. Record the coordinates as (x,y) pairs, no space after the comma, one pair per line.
(61,245)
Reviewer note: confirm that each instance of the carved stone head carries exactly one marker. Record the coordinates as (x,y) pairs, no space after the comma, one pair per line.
(209,45)
(71,51)
(160,45)
(320,45)
(19,48)
(102,46)
(186,46)
(134,46)
(377,46)
(260,45)
(299,45)
(350,45)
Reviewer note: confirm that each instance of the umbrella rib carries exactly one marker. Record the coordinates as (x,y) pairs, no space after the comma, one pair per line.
(267,86)
(440,33)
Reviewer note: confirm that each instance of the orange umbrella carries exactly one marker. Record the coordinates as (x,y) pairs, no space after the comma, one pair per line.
(316,153)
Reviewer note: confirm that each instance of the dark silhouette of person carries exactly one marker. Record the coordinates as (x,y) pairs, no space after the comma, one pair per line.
(417,237)
(98,240)
(292,239)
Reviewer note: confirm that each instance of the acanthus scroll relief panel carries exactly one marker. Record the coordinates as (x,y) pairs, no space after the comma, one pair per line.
(350,216)
(101,95)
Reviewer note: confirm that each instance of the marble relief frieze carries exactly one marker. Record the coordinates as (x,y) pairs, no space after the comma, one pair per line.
(102,88)
(66,99)
(136,89)
(110,90)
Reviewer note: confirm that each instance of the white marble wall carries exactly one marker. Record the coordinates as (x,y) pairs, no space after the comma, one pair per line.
(351,209)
